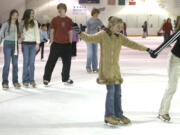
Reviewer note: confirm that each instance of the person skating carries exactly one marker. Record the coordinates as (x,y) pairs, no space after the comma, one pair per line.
(44,39)
(30,44)
(10,32)
(111,42)
(173,73)
(93,26)
(61,38)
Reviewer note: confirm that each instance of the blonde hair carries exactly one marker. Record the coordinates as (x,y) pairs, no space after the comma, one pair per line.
(113,20)
(178,23)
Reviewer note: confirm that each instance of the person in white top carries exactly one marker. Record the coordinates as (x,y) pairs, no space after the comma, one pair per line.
(30,44)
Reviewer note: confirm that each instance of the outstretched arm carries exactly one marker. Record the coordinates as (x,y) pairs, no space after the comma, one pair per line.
(172,38)
(95,38)
(131,44)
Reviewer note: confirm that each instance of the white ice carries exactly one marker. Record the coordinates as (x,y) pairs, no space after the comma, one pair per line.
(79,109)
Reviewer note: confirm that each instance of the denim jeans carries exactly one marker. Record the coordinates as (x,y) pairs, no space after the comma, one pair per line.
(8,55)
(29,53)
(92,59)
(113,106)
(166,36)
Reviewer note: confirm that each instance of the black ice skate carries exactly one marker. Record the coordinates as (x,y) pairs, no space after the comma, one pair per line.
(68,82)
(46,82)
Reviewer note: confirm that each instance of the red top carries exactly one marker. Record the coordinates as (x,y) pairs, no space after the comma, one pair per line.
(61,26)
(167,27)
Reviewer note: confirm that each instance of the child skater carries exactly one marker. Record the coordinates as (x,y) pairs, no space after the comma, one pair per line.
(111,42)
(10,32)
(44,39)
(173,76)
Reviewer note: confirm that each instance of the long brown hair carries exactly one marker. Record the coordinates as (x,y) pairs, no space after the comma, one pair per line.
(28,23)
(10,19)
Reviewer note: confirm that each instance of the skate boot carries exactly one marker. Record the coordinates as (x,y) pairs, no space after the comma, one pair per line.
(17,85)
(111,121)
(96,70)
(33,84)
(5,86)
(89,70)
(164,117)
(123,119)
(26,85)
(46,82)
(68,82)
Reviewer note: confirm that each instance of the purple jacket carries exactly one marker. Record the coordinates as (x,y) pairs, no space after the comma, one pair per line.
(75,37)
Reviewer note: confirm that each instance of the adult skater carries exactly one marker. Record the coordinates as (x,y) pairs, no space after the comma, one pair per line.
(75,39)
(61,36)
(173,76)
(93,25)
(10,32)
(145,29)
(167,29)
(111,42)
(30,44)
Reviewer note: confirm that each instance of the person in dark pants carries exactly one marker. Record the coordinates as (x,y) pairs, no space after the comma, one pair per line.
(167,28)
(44,39)
(61,36)
(145,29)
(75,39)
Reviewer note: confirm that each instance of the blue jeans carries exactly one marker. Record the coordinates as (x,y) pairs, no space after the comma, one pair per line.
(8,54)
(166,36)
(92,56)
(113,101)
(29,53)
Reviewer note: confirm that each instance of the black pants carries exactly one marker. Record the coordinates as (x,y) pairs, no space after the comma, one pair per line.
(74,50)
(41,47)
(58,50)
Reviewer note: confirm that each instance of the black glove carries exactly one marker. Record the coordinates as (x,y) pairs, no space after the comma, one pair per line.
(151,52)
(45,40)
(77,29)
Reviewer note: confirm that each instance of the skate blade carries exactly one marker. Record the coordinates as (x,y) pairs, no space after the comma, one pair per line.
(5,88)
(110,125)
(124,124)
(17,88)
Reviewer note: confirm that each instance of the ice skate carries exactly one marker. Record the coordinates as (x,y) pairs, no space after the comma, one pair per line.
(164,117)
(124,120)
(46,82)
(33,85)
(26,85)
(5,86)
(68,82)
(17,85)
(111,122)
(89,70)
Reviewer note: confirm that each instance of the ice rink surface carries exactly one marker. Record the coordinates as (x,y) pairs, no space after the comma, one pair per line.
(79,109)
